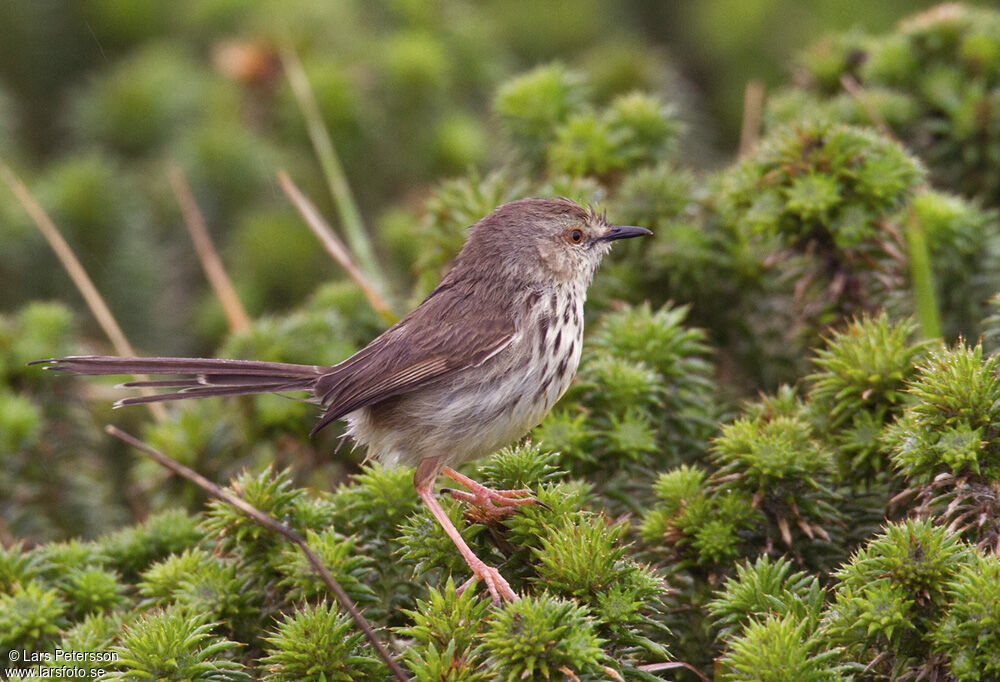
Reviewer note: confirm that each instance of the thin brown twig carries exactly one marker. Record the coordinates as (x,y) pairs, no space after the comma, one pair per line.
(672,665)
(854,89)
(267,522)
(236,314)
(753,105)
(75,270)
(336,248)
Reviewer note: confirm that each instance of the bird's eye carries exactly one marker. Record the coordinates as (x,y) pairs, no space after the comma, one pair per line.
(576,236)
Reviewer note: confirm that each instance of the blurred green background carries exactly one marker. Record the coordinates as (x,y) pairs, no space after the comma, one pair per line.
(97,97)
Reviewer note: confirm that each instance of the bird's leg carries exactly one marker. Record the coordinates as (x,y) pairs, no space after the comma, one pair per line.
(423,481)
(495,504)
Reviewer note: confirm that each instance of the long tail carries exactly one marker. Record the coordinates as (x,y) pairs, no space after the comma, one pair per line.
(201,377)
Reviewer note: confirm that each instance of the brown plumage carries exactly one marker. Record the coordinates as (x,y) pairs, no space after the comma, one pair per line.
(475,366)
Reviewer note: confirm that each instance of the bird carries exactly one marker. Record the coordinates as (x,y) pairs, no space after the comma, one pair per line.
(472,368)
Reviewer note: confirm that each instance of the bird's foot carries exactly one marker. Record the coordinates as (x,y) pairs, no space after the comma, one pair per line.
(497,585)
(495,505)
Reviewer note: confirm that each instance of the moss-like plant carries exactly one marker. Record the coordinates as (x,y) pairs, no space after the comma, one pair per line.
(642,401)
(692,522)
(130,550)
(160,582)
(932,80)
(968,633)
(271,492)
(891,593)
(318,642)
(542,635)
(858,386)
(779,648)
(30,615)
(448,627)
(173,644)
(816,196)
(91,590)
(945,441)
(788,474)
(762,588)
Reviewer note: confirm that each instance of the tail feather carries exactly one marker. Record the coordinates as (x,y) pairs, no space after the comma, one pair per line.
(211,377)
(105,364)
(160,383)
(217,391)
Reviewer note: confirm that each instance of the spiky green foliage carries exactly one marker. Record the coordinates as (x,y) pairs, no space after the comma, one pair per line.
(317,643)
(944,442)
(584,557)
(55,486)
(815,196)
(540,636)
(766,259)
(633,129)
(269,491)
(173,644)
(373,509)
(524,466)
(533,105)
(18,566)
(341,557)
(691,522)
(449,628)
(818,183)
(858,386)
(428,549)
(91,590)
(890,594)
(221,591)
(130,550)
(786,471)
(963,241)
(932,80)
(160,582)
(30,615)
(779,649)
(956,401)
(94,636)
(766,587)
(968,634)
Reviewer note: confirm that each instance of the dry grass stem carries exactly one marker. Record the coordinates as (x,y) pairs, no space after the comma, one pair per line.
(236,315)
(855,90)
(340,189)
(753,106)
(266,521)
(75,271)
(336,248)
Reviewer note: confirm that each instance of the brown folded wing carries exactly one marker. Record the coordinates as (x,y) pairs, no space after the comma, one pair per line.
(449,332)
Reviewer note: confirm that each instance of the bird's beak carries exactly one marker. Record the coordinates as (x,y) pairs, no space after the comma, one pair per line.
(623,232)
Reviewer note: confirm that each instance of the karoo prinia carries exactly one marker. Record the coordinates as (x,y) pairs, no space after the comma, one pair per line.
(475,366)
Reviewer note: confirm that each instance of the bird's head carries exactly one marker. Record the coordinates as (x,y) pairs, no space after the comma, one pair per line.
(552,238)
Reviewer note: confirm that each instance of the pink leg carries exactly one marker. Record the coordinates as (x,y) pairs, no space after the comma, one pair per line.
(423,480)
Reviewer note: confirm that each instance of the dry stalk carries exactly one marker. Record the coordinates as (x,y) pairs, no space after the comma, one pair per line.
(236,314)
(336,248)
(753,106)
(75,271)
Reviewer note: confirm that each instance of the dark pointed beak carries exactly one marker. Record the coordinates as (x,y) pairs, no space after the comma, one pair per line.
(623,232)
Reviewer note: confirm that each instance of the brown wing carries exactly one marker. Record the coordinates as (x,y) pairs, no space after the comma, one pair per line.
(448,332)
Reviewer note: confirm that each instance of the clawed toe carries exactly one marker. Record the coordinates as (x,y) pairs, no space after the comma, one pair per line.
(497,585)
